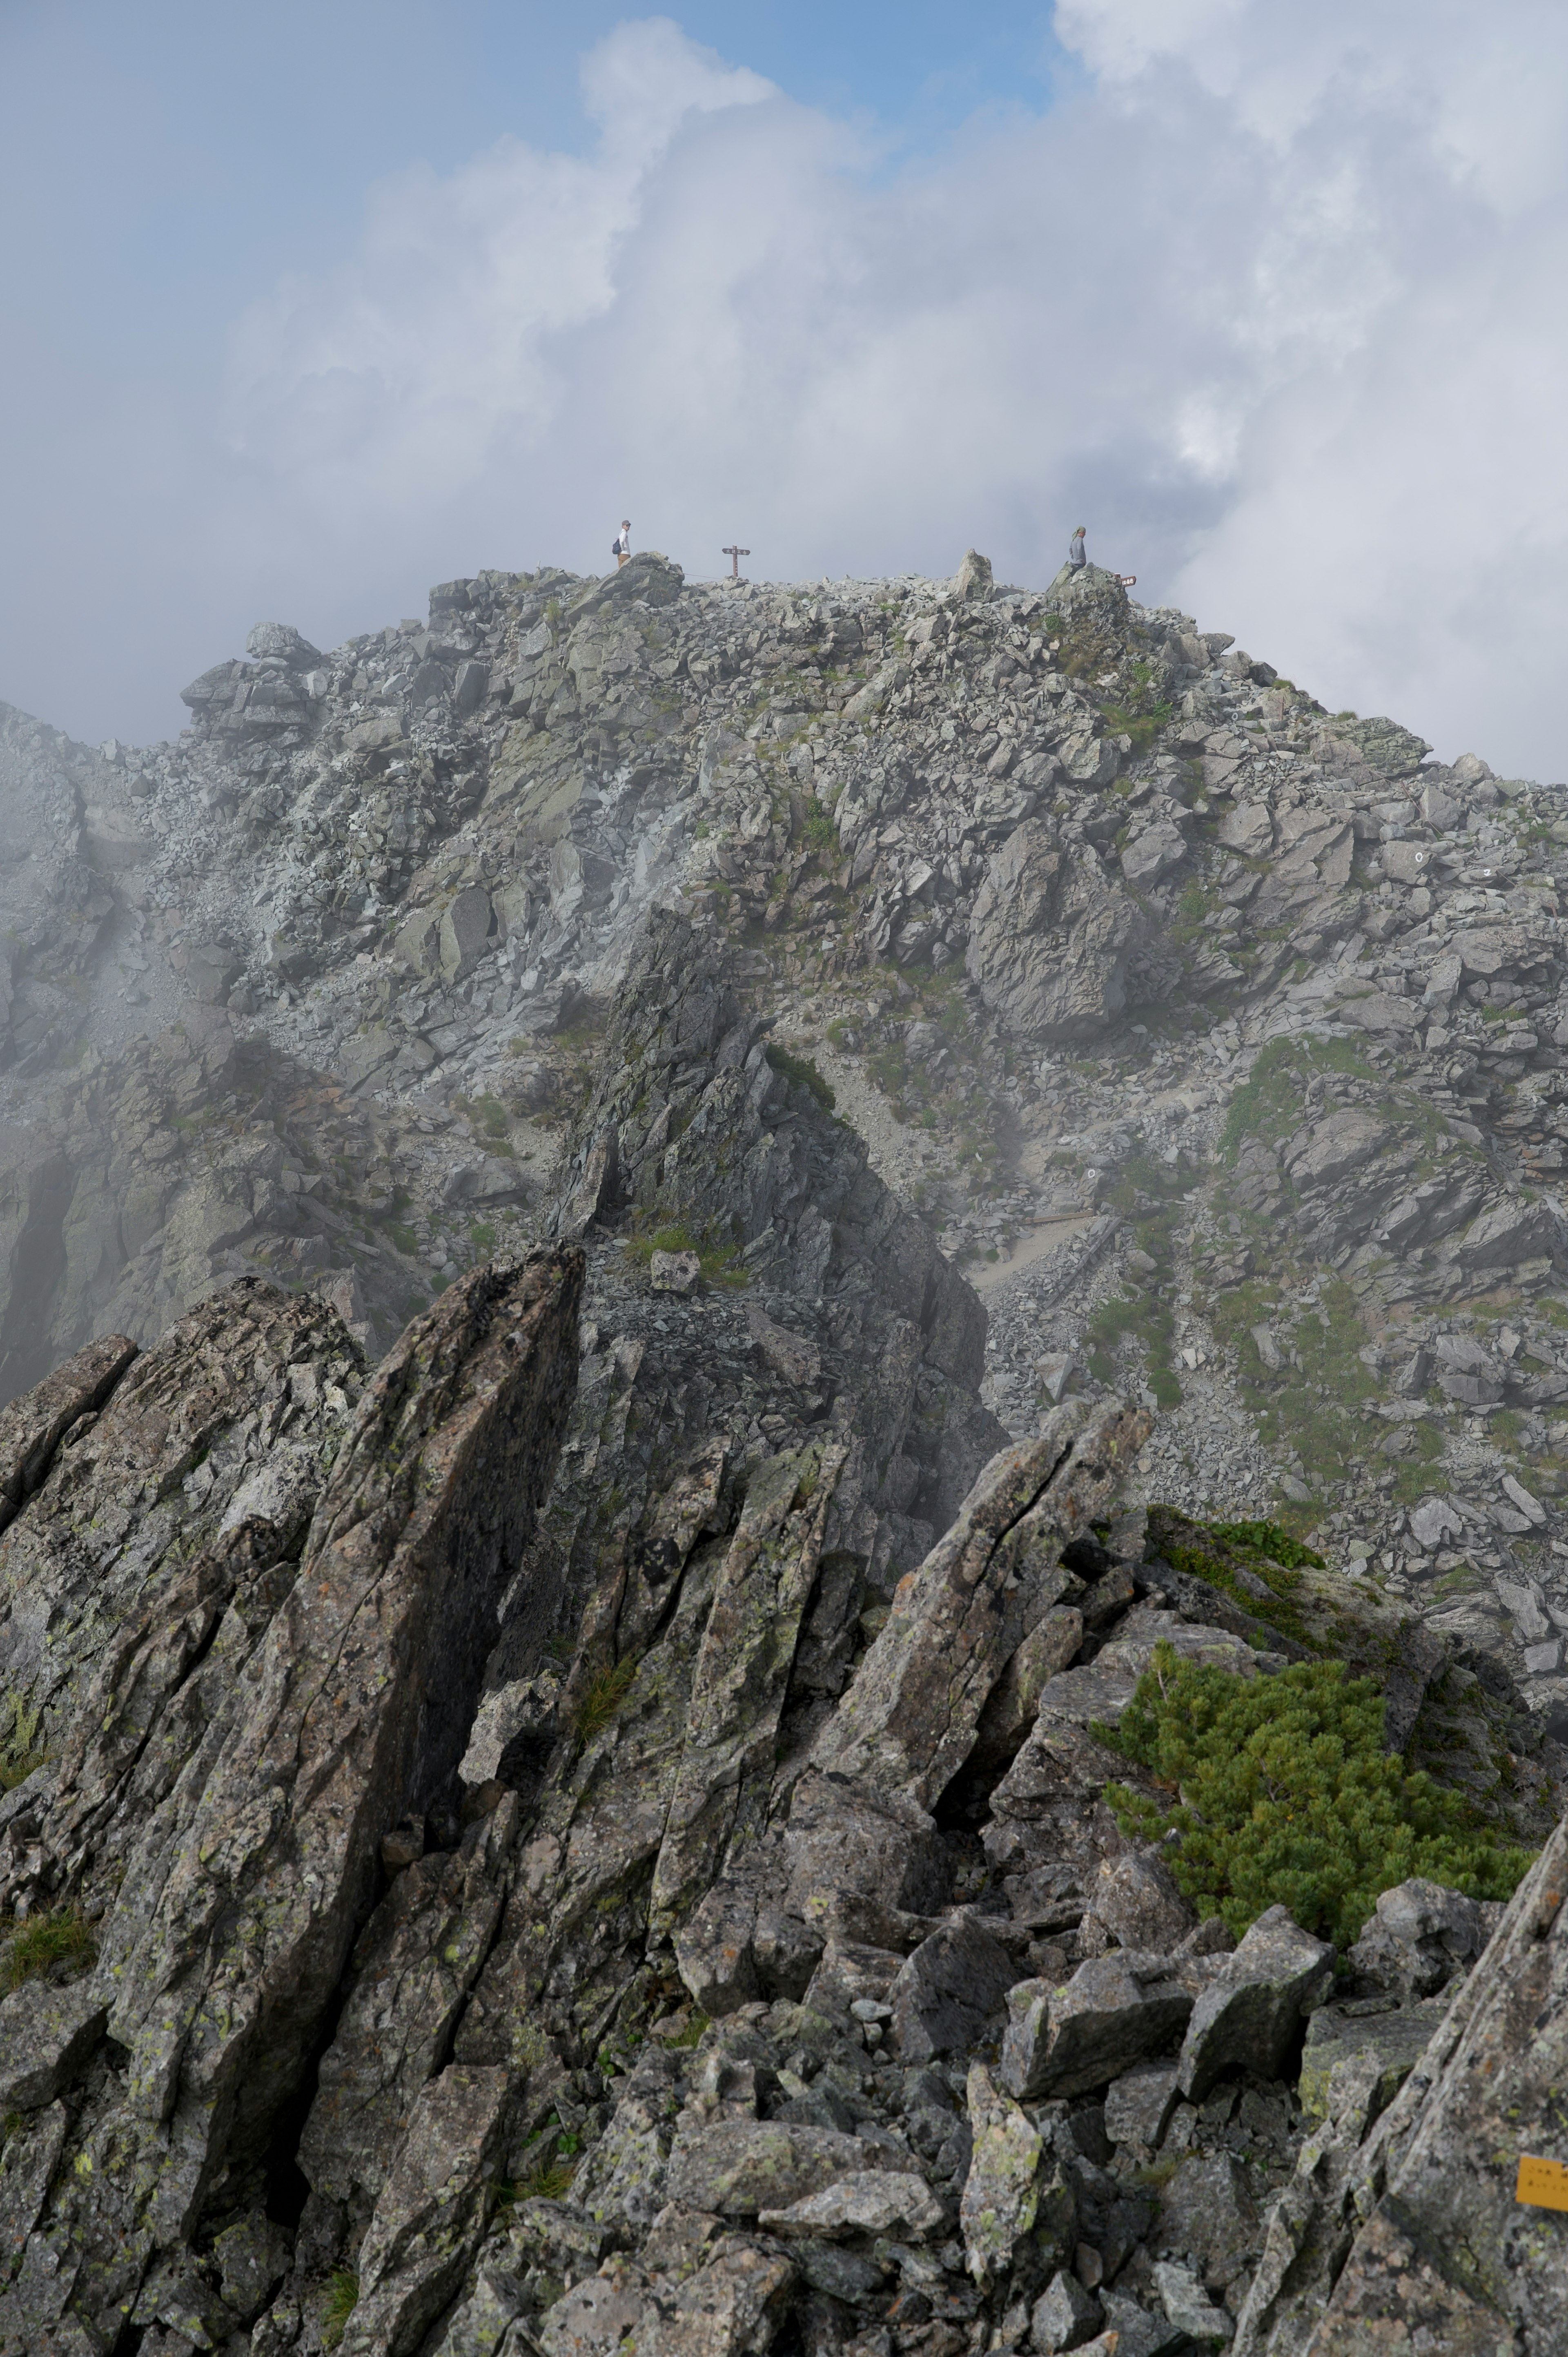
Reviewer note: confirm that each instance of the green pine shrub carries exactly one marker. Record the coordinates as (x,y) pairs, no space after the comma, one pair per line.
(802,1073)
(1284,1795)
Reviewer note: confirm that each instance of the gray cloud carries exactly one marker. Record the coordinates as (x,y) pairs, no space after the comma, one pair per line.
(1269,304)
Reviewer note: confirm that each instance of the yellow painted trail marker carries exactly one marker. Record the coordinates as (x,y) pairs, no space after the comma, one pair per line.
(1542,2183)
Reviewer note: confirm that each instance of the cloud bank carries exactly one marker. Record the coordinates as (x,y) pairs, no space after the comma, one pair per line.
(1270,300)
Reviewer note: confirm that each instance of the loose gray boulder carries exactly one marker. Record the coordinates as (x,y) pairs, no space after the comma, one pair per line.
(1251,2014)
(1138,2106)
(741,2167)
(1420,1935)
(1065,2315)
(1136,1898)
(47,2034)
(948,1991)
(867,2201)
(1113,2012)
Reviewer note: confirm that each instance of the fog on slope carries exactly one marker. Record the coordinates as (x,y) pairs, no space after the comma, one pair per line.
(1259,301)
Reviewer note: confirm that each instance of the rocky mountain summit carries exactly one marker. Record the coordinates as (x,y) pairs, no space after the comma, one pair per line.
(678,1259)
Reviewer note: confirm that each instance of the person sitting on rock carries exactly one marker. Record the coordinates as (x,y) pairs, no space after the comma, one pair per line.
(620,547)
(1076,554)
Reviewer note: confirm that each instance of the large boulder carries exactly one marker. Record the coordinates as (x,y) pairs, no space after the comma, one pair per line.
(1051,937)
(911,1715)
(1249,2016)
(1115,2011)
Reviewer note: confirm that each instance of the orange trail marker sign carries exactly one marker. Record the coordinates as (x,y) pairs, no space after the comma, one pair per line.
(1542,2183)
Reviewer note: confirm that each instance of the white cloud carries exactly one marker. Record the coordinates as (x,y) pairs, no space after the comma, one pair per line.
(1271,302)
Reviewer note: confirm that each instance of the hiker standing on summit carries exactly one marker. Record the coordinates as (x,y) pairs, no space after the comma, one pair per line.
(1076,554)
(620,547)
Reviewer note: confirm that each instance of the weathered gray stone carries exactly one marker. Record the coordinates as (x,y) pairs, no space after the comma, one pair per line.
(1441,2245)
(32,1426)
(1360,2054)
(467,928)
(1208,2212)
(620,2185)
(432,2211)
(1136,1897)
(1138,2106)
(1014,1701)
(1052,931)
(742,2165)
(1251,2014)
(1115,2011)
(480,2325)
(1190,2307)
(730,2307)
(360,1670)
(47,2034)
(410,1971)
(1419,1936)
(674,1272)
(1016,2214)
(868,2202)
(1134,2332)
(594,2317)
(252,2259)
(741,1675)
(910,1715)
(1064,2316)
(947,1992)
(845,1836)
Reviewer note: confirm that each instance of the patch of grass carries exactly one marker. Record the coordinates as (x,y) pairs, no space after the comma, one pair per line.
(342,2298)
(718,1256)
(1413,1479)
(20,1751)
(404,1237)
(1268,1104)
(819,833)
(547,2180)
(1148,1192)
(1142,1318)
(802,1073)
(1288,1797)
(1142,722)
(48,1945)
(1240,1558)
(602,1699)
(482,1236)
(1269,1540)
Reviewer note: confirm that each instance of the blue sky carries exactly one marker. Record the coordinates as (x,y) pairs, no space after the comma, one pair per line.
(305,308)
(185,149)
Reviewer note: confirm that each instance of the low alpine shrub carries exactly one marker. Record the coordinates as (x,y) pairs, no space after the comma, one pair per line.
(1284,1795)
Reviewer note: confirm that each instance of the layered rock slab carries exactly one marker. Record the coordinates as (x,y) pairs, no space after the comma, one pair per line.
(246,1886)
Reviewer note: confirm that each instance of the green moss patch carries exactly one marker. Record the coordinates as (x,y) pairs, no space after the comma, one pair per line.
(1258,1565)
